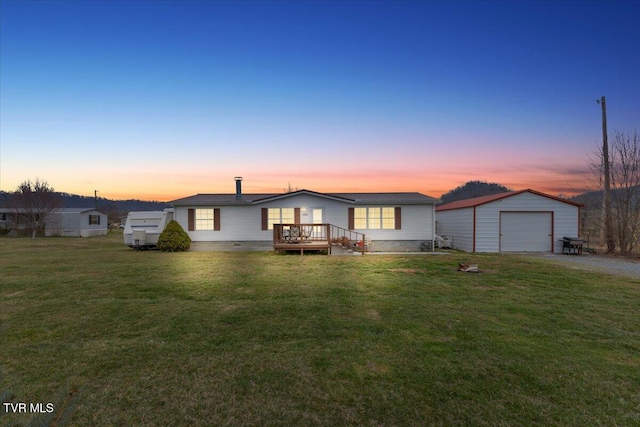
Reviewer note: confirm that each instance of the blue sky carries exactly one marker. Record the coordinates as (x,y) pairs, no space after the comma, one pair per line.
(164,99)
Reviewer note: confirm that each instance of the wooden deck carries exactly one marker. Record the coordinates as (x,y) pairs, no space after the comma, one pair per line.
(313,237)
(302,246)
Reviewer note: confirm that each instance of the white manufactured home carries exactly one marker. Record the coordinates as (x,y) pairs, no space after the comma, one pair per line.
(78,222)
(515,221)
(68,222)
(305,219)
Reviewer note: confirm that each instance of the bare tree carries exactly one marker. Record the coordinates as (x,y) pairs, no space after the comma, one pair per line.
(625,179)
(624,165)
(33,204)
(290,189)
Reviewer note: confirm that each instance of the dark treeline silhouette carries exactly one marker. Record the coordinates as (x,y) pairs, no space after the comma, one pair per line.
(473,189)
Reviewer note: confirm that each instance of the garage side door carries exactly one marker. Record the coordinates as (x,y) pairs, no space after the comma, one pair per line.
(526,231)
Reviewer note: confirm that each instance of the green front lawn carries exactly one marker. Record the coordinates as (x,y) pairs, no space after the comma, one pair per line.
(112,336)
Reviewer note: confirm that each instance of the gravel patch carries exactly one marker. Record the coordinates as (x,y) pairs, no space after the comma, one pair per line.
(603,264)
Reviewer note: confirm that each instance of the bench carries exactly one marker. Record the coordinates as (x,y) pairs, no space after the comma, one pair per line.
(572,245)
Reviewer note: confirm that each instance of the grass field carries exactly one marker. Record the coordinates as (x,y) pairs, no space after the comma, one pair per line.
(112,336)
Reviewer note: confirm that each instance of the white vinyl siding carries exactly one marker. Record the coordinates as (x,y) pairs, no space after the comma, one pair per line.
(457,225)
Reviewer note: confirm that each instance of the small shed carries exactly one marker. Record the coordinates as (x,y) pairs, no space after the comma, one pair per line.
(515,221)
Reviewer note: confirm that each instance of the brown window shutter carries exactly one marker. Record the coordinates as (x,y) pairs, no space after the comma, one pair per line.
(351,221)
(216,219)
(265,218)
(296,215)
(192,219)
(398,216)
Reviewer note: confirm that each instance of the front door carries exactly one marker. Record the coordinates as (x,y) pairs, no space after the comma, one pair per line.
(316,218)
(316,215)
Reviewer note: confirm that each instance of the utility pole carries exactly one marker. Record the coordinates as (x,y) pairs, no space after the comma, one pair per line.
(95,198)
(606,202)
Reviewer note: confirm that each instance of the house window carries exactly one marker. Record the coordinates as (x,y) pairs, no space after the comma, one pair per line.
(204,219)
(288,215)
(374,218)
(388,217)
(3,217)
(280,216)
(94,219)
(274,217)
(360,218)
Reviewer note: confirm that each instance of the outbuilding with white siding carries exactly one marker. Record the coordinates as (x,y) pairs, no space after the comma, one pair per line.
(515,221)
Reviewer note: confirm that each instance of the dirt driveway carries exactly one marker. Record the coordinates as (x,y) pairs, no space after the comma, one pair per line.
(605,264)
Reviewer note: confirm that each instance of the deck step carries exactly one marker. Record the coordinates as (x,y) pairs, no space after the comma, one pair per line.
(340,250)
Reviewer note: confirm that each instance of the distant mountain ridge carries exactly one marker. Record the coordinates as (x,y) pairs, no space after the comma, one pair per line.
(106,205)
(594,198)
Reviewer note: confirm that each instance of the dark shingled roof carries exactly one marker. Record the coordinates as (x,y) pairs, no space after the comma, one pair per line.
(219,199)
(387,198)
(352,198)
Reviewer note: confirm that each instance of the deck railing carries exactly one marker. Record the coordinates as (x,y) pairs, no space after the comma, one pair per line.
(348,238)
(288,233)
(317,235)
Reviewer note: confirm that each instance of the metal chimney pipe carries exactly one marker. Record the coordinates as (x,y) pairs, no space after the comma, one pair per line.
(238,187)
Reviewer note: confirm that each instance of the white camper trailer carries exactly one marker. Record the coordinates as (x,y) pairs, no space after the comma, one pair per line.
(143,229)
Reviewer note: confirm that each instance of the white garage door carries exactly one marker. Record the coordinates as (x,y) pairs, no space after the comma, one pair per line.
(525,231)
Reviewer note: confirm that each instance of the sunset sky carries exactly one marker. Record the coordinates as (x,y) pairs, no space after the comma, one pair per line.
(165,99)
